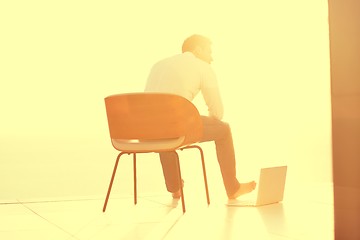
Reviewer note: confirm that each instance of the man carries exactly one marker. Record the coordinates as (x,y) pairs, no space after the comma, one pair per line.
(186,75)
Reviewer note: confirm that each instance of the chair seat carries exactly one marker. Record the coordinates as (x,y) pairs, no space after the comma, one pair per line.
(147,145)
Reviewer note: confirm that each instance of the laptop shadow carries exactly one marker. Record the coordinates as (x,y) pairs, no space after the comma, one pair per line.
(273,217)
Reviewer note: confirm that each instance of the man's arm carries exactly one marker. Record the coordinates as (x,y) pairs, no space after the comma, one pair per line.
(211,94)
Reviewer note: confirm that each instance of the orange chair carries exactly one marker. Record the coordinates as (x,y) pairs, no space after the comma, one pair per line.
(152,122)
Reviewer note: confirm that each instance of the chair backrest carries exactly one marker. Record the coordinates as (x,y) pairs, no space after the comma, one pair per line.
(152,116)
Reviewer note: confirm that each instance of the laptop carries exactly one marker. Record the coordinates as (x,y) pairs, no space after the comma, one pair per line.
(270,188)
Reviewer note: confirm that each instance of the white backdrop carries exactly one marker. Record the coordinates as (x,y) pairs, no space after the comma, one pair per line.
(59,59)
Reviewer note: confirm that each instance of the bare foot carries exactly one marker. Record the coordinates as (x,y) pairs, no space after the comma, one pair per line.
(243,189)
(177,194)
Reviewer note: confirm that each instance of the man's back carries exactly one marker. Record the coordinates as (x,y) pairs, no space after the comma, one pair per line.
(186,75)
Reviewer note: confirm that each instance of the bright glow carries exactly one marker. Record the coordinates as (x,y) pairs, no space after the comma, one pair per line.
(59,59)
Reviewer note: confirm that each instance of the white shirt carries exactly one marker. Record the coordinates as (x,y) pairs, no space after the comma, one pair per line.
(186,75)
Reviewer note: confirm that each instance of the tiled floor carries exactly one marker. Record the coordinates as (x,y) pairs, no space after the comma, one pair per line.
(305,213)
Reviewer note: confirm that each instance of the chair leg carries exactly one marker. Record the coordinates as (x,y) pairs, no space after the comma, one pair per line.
(204,173)
(112,180)
(203,167)
(181,186)
(135,181)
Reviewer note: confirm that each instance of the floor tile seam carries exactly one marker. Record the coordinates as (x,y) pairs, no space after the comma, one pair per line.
(75,233)
(155,234)
(165,226)
(159,203)
(48,221)
(68,198)
(101,228)
(10,202)
(286,236)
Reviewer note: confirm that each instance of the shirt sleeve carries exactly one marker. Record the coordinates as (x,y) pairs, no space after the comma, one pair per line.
(211,93)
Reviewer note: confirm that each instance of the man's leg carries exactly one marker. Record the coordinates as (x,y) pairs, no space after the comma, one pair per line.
(170,170)
(220,132)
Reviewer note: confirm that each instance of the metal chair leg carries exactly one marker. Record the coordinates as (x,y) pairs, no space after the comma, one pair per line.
(181,187)
(203,167)
(112,180)
(204,173)
(135,179)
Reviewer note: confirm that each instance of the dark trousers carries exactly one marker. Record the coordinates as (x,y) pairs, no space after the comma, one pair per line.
(213,130)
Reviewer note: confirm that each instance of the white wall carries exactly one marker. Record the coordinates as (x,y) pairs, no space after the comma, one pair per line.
(60,59)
